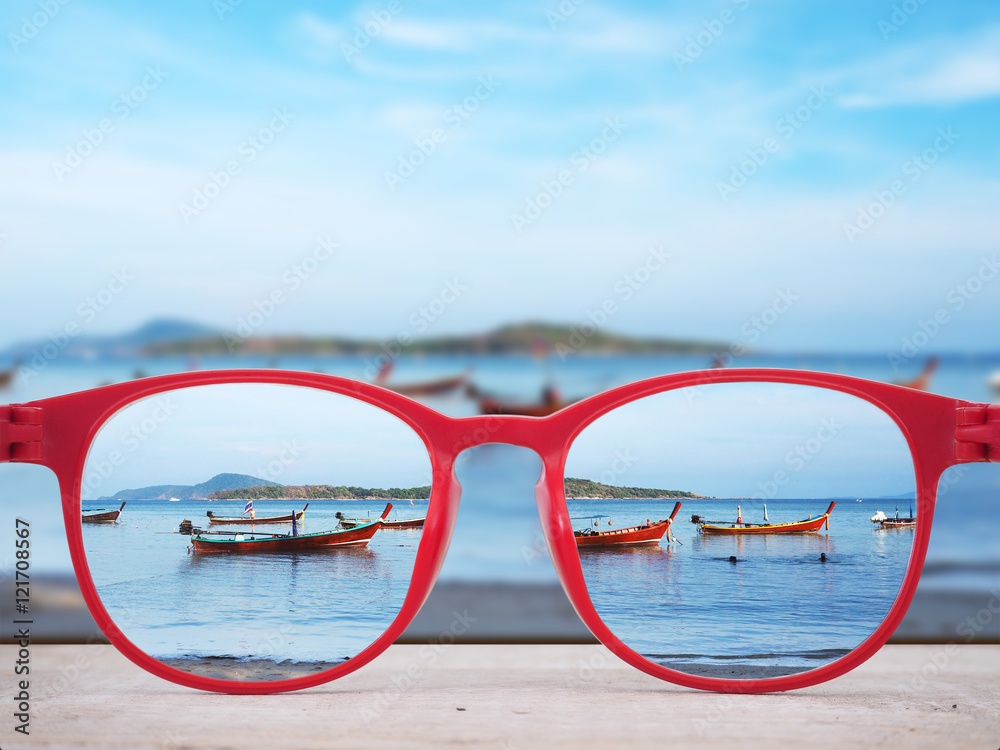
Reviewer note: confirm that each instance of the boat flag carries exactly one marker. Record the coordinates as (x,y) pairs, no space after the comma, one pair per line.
(249,508)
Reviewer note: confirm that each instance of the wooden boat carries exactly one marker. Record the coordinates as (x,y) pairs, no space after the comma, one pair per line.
(99,515)
(888,522)
(551,402)
(430,387)
(794,527)
(495,406)
(405,523)
(287,518)
(923,381)
(359,536)
(426,388)
(648,533)
(898,523)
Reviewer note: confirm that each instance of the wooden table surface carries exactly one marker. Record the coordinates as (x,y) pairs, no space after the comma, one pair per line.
(507,697)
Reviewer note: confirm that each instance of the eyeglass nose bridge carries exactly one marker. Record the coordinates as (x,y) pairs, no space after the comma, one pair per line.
(546,436)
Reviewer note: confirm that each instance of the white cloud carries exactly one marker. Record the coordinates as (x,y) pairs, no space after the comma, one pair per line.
(938,71)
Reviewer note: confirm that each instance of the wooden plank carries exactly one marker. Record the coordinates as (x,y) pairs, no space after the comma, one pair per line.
(507,697)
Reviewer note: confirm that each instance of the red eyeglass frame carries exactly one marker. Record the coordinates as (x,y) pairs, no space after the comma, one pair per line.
(940,431)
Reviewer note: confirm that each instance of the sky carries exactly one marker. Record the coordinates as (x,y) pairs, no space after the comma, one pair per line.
(823,176)
(762,440)
(748,440)
(190,435)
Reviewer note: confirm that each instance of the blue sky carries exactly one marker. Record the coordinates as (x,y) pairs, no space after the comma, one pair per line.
(624,122)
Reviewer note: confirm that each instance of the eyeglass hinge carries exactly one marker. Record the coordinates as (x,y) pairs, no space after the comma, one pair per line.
(20,433)
(977,433)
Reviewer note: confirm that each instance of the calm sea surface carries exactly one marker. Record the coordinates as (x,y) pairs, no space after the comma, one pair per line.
(687,612)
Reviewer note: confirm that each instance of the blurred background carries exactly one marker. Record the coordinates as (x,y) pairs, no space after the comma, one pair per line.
(504,209)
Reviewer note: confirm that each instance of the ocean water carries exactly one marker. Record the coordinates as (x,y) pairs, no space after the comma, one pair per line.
(777,609)
(344,600)
(265,614)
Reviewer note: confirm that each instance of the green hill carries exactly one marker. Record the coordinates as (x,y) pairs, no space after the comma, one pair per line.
(218,483)
(577,489)
(321,492)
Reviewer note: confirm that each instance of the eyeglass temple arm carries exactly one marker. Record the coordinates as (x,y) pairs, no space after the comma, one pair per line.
(977,433)
(20,433)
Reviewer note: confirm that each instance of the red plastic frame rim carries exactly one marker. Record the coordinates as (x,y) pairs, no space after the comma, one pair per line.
(71,422)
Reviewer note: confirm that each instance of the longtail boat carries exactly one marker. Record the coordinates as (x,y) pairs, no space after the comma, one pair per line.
(398,523)
(551,402)
(99,515)
(404,523)
(899,523)
(359,536)
(887,522)
(287,518)
(794,527)
(647,533)
(430,387)
(426,388)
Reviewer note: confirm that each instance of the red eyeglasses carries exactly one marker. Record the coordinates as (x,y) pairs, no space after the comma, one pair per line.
(781,580)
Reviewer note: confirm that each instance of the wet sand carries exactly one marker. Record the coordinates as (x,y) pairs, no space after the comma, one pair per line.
(230,668)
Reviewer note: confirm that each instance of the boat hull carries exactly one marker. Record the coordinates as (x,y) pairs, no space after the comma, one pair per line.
(795,527)
(323,540)
(430,388)
(629,536)
(110,516)
(225,520)
(898,523)
(409,523)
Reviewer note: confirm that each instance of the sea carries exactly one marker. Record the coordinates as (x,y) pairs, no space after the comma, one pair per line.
(146,574)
